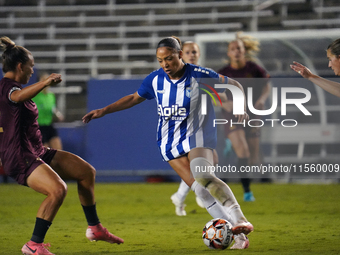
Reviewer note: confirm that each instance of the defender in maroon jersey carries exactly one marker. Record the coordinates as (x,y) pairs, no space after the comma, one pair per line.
(245,140)
(25,159)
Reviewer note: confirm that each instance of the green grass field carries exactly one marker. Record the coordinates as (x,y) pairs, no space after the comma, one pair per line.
(288,219)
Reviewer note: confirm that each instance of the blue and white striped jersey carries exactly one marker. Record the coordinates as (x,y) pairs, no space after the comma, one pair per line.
(182,125)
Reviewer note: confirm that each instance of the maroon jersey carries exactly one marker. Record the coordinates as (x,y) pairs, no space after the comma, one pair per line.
(250,70)
(20,138)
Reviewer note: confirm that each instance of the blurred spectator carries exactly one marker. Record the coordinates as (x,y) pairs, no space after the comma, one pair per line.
(48,113)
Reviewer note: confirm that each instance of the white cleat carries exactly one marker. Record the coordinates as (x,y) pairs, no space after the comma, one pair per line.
(179,205)
(241,242)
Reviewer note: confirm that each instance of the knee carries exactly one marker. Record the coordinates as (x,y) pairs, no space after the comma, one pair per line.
(88,173)
(59,192)
(204,181)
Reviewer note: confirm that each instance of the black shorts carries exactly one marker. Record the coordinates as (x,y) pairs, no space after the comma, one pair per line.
(48,132)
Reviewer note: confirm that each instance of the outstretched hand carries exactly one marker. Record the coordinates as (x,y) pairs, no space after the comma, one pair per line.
(53,79)
(94,114)
(301,69)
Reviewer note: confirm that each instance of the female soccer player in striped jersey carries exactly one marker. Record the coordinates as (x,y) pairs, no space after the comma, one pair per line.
(333,55)
(191,54)
(186,138)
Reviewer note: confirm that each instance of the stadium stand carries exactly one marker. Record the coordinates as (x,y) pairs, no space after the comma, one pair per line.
(84,39)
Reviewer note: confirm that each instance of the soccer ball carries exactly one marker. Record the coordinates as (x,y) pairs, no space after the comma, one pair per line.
(217,234)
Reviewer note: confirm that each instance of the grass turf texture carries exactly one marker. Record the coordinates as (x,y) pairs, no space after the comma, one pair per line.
(288,219)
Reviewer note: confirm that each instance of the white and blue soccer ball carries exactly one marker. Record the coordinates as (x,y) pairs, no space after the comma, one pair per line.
(217,234)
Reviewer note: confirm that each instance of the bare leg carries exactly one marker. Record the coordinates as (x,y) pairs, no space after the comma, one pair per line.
(254,148)
(182,168)
(239,142)
(241,148)
(44,180)
(72,167)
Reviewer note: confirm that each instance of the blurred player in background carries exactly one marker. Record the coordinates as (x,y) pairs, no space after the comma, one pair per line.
(48,112)
(191,52)
(26,160)
(245,140)
(333,55)
(186,138)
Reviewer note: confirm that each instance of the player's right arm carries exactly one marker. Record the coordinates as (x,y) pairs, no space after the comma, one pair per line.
(328,85)
(121,104)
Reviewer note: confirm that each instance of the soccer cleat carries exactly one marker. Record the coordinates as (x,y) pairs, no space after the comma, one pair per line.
(99,233)
(36,248)
(199,202)
(179,205)
(248,197)
(241,242)
(244,227)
